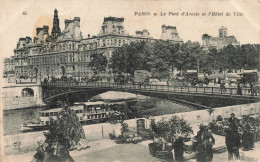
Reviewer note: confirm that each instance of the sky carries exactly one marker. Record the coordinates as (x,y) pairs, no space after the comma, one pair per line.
(20,18)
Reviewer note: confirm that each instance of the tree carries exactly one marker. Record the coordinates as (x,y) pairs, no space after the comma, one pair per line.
(159,60)
(158,57)
(187,55)
(64,133)
(173,55)
(170,129)
(98,62)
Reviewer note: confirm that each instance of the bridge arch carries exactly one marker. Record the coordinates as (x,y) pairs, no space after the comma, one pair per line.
(27,92)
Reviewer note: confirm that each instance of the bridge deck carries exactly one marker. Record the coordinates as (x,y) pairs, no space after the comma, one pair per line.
(193,90)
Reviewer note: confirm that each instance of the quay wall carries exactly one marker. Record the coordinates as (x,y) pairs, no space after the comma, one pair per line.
(28,141)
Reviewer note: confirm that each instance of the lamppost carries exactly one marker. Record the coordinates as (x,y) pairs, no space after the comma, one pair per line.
(198,64)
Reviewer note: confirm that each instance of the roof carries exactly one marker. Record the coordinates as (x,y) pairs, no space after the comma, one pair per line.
(224,40)
(114,19)
(221,75)
(90,103)
(52,110)
(76,107)
(116,103)
(59,109)
(114,96)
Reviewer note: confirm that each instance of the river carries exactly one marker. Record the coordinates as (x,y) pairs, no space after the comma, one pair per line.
(150,106)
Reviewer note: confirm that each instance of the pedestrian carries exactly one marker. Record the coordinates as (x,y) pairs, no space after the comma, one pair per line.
(140,85)
(254,90)
(222,87)
(247,138)
(232,140)
(219,80)
(239,89)
(178,146)
(205,147)
(251,88)
(232,120)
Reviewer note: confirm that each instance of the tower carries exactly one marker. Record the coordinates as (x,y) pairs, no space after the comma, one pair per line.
(222,32)
(56,25)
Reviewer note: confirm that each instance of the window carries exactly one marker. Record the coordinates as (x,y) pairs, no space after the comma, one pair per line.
(47,114)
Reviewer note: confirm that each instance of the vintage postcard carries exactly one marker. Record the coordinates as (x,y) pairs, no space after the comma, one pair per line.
(129,80)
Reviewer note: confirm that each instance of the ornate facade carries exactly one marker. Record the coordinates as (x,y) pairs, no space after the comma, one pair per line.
(67,53)
(8,67)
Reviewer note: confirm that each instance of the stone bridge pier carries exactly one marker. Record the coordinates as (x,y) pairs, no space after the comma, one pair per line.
(21,96)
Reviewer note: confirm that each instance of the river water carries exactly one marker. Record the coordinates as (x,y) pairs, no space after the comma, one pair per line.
(12,119)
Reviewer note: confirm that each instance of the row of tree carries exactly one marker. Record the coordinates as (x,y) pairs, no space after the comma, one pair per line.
(246,56)
(161,57)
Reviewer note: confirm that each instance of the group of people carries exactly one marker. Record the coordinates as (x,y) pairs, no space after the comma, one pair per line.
(233,140)
(252,89)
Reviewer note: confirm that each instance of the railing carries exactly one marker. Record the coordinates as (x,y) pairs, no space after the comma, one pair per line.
(231,91)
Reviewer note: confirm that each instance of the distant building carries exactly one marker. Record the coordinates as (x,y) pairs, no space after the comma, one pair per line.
(170,33)
(219,42)
(67,53)
(21,53)
(143,33)
(8,67)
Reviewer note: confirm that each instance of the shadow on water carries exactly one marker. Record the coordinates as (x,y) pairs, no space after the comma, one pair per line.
(12,119)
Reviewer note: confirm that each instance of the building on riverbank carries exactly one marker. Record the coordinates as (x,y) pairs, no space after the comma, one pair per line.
(68,53)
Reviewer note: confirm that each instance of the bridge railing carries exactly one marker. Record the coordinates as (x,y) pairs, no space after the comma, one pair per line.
(153,87)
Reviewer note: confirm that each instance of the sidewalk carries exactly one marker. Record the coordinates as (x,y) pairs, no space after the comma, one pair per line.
(108,150)
(94,146)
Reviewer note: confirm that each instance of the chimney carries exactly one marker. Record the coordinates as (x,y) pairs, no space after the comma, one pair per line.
(38,30)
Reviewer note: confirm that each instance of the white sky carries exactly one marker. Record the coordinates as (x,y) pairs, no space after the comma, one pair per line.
(15,25)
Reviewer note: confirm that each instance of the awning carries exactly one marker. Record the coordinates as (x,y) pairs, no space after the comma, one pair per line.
(112,96)
(223,76)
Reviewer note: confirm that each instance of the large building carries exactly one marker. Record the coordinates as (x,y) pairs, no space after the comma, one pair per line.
(219,42)
(67,53)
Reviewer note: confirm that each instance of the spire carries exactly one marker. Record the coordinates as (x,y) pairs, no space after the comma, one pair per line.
(55,13)
(56,25)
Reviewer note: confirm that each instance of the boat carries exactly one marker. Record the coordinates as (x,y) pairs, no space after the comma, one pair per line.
(45,117)
(87,112)
(93,112)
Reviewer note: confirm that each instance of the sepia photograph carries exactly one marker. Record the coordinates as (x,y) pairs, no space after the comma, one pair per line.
(130,80)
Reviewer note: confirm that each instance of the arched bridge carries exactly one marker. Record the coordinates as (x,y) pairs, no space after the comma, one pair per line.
(198,96)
